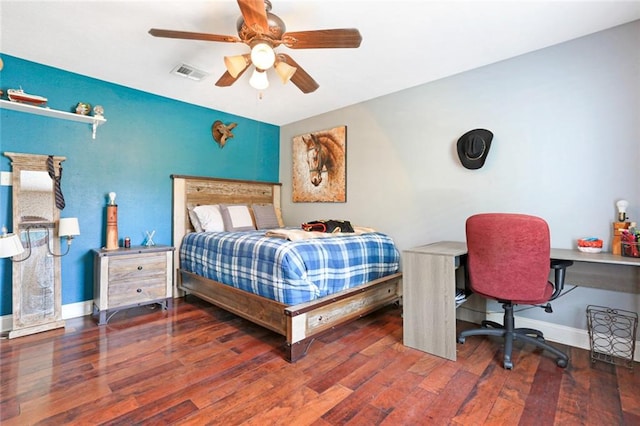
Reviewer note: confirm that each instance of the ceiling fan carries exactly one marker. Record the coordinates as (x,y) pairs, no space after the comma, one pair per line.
(263,31)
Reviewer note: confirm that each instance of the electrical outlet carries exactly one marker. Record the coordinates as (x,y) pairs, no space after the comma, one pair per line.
(5,178)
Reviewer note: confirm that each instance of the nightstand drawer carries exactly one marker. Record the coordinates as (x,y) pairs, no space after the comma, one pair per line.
(135,267)
(139,291)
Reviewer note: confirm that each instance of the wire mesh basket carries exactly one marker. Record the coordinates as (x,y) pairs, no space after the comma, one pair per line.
(612,335)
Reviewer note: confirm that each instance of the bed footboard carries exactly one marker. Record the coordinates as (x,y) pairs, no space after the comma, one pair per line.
(309,320)
(299,324)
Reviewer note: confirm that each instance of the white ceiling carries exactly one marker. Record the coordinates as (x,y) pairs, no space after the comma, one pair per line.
(405,44)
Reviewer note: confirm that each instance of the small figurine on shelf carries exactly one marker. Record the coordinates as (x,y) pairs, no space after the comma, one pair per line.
(98,111)
(148,241)
(83,109)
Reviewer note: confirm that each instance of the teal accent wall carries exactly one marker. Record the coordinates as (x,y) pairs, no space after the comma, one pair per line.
(146,139)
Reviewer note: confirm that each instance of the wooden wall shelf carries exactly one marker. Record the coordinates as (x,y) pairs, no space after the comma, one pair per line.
(48,112)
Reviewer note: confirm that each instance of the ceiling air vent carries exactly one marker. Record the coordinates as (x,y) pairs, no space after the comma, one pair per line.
(188,71)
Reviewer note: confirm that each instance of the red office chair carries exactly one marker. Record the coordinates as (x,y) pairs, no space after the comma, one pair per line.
(509,260)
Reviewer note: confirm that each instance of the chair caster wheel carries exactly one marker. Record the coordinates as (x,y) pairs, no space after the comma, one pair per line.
(461,340)
(508,365)
(562,363)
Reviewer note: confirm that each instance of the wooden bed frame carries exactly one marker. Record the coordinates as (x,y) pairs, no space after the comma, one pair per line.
(299,324)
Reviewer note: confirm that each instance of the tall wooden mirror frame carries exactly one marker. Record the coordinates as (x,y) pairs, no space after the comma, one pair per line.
(36,286)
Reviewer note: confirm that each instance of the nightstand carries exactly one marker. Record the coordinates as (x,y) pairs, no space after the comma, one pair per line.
(128,277)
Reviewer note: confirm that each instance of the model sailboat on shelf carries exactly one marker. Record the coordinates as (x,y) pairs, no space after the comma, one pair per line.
(18,95)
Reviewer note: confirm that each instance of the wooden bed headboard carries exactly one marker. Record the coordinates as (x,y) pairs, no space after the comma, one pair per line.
(191,191)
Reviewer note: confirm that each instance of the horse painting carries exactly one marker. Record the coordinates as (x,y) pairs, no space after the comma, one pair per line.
(319,166)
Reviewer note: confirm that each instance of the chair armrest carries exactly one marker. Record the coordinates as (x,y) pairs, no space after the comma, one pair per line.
(559,267)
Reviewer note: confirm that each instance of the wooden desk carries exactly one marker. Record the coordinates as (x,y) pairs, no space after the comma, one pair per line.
(428,296)
(601,270)
(432,272)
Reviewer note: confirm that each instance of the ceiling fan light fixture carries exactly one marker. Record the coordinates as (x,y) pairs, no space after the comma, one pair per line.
(262,55)
(259,80)
(285,71)
(236,64)
(263,32)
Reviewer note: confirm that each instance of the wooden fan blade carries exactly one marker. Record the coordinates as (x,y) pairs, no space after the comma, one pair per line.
(255,15)
(156,32)
(300,78)
(337,38)
(227,79)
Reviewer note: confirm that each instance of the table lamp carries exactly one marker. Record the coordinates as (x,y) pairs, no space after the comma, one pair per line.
(622,210)
(616,243)
(68,228)
(10,244)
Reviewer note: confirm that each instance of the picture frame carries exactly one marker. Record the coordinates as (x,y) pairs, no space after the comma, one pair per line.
(320,166)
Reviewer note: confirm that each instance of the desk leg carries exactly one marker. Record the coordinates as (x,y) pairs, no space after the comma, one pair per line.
(429,313)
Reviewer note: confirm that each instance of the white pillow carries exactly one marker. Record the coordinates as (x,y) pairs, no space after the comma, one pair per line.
(194,220)
(236,218)
(210,218)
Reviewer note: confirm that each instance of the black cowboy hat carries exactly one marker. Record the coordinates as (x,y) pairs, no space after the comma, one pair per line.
(473,148)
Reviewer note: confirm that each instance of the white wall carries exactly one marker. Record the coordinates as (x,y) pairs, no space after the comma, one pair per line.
(566,124)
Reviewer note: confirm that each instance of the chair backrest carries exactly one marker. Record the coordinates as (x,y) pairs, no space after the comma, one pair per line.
(509,256)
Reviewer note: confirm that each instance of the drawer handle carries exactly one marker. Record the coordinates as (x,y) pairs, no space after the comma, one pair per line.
(139,290)
(139,268)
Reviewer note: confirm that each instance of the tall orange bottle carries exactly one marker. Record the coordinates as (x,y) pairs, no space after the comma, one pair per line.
(112,223)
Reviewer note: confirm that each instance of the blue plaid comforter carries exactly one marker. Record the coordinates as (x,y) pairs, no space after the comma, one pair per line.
(290,272)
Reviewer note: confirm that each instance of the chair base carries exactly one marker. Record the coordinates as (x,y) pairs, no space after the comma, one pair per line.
(510,334)
(529,331)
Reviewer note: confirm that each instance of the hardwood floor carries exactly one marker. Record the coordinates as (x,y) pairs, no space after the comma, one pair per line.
(196,364)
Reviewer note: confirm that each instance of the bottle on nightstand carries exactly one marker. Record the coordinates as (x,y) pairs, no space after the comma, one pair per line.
(112,223)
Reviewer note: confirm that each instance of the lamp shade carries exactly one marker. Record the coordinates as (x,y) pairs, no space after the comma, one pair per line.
(236,64)
(10,245)
(285,71)
(262,56)
(68,227)
(259,80)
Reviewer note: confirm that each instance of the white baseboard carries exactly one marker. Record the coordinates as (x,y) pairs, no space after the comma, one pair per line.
(71,310)
(569,336)
(6,322)
(75,310)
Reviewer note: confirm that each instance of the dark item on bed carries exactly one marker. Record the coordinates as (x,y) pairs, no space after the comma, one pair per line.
(330,226)
(300,324)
